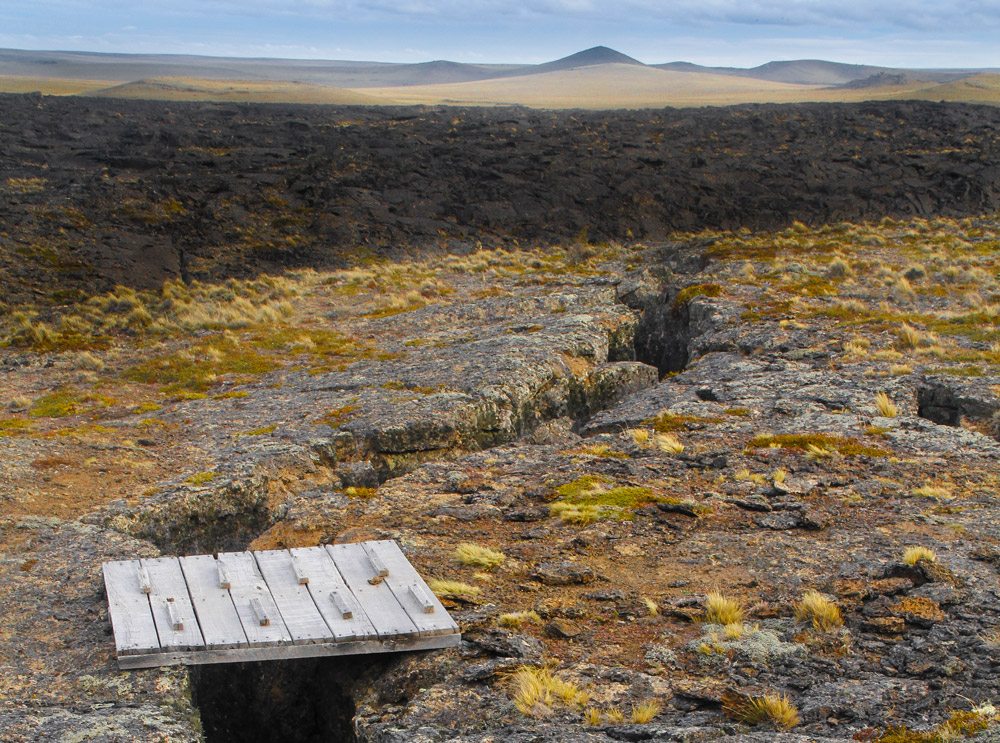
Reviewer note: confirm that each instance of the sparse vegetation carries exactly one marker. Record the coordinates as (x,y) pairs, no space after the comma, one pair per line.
(591,498)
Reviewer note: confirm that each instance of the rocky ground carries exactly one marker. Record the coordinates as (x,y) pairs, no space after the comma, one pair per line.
(633,428)
(95,193)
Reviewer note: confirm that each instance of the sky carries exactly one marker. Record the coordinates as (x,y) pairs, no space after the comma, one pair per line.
(904,33)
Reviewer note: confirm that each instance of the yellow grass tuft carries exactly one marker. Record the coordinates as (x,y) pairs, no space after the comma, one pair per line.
(774,708)
(720,609)
(614,714)
(936,492)
(651,606)
(477,556)
(453,589)
(913,555)
(668,443)
(638,435)
(819,610)
(517,619)
(886,407)
(645,711)
(592,716)
(537,690)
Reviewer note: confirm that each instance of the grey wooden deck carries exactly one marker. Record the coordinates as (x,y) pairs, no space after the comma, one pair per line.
(335,600)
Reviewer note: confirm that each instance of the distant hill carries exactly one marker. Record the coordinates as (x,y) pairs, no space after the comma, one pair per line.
(815,72)
(242,91)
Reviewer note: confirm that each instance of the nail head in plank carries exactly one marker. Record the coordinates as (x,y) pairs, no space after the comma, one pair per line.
(402,576)
(249,584)
(325,581)
(303,619)
(171,604)
(220,624)
(128,607)
(388,617)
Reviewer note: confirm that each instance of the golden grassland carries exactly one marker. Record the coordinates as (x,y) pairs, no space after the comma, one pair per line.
(597,87)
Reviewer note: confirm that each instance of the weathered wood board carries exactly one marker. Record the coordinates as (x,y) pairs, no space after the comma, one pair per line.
(246,606)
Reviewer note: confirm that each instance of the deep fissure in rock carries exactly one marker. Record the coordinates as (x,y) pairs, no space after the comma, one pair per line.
(309,700)
(314,699)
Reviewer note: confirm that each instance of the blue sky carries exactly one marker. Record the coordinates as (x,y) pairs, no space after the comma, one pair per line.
(926,33)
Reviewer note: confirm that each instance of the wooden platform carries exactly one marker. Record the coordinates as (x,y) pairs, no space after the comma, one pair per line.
(247,606)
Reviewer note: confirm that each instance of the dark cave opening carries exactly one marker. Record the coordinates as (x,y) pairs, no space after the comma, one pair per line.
(305,700)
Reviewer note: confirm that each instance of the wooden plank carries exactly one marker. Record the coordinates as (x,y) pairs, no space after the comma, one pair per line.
(298,610)
(128,607)
(387,616)
(176,625)
(333,597)
(217,617)
(247,584)
(243,655)
(411,591)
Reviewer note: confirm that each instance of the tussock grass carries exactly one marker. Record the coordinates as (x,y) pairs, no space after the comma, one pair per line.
(885,406)
(667,442)
(776,709)
(644,712)
(818,610)
(453,589)
(720,609)
(915,554)
(536,691)
(934,492)
(518,619)
(478,556)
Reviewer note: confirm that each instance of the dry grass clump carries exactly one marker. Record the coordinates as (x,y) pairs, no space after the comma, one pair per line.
(453,589)
(960,725)
(935,492)
(885,406)
(537,690)
(774,708)
(819,610)
(592,716)
(720,609)
(819,445)
(915,554)
(667,442)
(640,436)
(517,619)
(475,555)
(644,712)
(614,714)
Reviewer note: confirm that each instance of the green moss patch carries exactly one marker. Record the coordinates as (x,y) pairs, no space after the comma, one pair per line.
(806,442)
(594,498)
